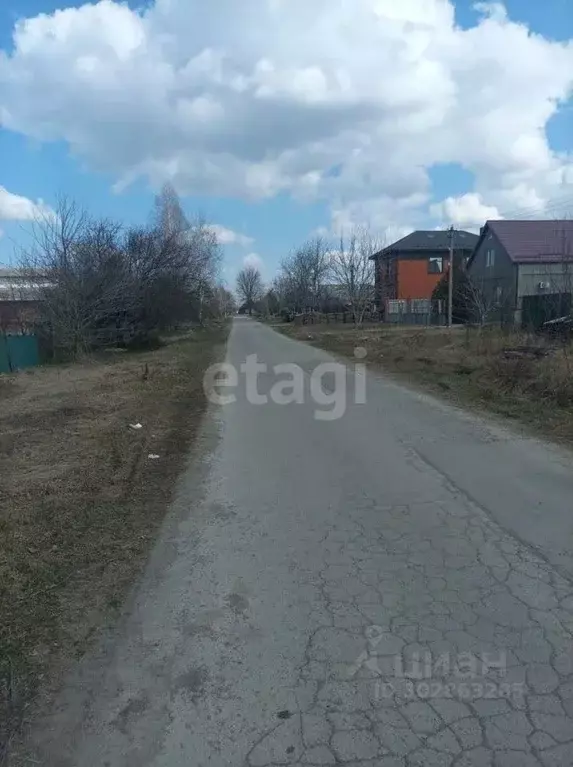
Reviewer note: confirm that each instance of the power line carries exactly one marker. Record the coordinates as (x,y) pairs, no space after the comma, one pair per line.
(550,207)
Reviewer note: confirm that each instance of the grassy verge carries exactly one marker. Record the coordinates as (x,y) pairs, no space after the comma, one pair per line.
(486,369)
(81,501)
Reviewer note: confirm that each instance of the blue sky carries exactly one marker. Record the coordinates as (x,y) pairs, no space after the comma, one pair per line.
(281,156)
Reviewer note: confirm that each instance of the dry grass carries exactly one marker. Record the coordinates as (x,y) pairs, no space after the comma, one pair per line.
(468,366)
(81,502)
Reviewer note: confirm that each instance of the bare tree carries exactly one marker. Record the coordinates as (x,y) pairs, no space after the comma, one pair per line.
(195,242)
(249,286)
(353,271)
(223,302)
(304,273)
(103,284)
(204,260)
(78,264)
(272,301)
(482,306)
(169,216)
(287,288)
(281,295)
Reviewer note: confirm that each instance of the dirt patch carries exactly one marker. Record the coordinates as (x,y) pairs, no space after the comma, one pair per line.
(81,502)
(525,378)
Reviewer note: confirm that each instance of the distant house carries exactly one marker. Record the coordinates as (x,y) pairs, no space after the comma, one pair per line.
(20,296)
(524,270)
(412,267)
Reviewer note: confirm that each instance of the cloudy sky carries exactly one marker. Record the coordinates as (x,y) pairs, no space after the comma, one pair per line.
(280,118)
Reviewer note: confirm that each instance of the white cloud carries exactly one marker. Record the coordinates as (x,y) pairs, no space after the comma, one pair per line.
(496,11)
(13,207)
(465,212)
(229,237)
(283,98)
(253,260)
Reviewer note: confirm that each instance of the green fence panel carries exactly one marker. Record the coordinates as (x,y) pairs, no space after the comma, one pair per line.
(18,352)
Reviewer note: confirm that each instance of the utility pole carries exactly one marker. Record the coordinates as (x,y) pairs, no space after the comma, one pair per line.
(451,279)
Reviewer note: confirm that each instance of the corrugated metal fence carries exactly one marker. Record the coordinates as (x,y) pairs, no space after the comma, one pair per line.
(18,352)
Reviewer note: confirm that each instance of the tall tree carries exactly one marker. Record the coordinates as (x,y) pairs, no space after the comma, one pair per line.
(249,286)
(169,216)
(304,273)
(195,242)
(353,271)
(272,301)
(223,301)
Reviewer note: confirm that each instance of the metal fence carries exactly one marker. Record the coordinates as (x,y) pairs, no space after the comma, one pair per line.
(327,318)
(415,311)
(18,352)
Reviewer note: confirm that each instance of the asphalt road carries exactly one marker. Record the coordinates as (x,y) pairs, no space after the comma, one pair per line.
(390,588)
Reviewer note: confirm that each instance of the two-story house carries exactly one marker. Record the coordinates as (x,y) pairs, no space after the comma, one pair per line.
(524,270)
(412,267)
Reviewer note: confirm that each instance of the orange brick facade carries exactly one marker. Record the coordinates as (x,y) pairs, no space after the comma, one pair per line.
(406,278)
(413,279)
(411,268)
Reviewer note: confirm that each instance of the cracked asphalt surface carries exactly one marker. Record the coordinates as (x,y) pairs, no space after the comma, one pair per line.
(390,589)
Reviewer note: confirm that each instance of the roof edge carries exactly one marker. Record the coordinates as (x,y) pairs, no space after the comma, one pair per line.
(395,248)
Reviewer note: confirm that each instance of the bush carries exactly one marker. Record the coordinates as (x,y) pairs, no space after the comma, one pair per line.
(101,285)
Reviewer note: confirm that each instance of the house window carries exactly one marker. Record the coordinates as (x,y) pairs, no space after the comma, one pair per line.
(435,265)
(490,258)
